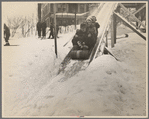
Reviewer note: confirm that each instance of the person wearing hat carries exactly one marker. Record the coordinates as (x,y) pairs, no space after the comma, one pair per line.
(43,26)
(6,35)
(83,40)
(91,30)
(39,28)
(52,31)
(80,37)
(96,24)
(90,25)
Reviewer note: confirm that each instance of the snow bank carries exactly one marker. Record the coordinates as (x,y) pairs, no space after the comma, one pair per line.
(106,88)
(98,91)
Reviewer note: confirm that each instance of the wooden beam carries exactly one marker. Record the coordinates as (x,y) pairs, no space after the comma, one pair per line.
(111,53)
(114,19)
(135,25)
(130,26)
(106,38)
(119,37)
(103,29)
(113,31)
(55,33)
(139,9)
(132,15)
(130,5)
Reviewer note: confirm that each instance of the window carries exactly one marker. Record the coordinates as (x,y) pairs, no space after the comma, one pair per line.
(45,10)
(73,8)
(81,8)
(51,7)
(59,8)
(64,7)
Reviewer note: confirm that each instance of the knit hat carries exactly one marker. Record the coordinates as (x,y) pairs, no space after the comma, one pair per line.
(94,18)
(89,19)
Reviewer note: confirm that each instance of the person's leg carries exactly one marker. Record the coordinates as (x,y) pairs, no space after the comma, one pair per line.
(49,35)
(6,40)
(44,33)
(85,48)
(52,35)
(74,41)
(76,47)
(39,33)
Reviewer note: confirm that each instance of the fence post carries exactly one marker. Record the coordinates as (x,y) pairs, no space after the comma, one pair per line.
(55,36)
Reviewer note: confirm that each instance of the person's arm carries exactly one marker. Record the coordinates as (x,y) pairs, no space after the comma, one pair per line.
(74,40)
(77,33)
(97,25)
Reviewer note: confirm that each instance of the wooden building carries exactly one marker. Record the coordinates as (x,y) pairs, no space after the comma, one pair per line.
(65,13)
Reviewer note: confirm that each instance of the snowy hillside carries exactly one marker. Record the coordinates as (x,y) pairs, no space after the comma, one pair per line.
(106,88)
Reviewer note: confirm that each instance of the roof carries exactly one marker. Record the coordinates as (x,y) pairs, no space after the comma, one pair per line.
(69,15)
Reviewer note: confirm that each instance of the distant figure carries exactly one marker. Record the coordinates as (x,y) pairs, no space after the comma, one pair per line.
(6,35)
(51,29)
(39,28)
(60,29)
(44,26)
(65,25)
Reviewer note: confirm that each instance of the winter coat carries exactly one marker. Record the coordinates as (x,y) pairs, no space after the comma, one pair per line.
(84,38)
(51,27)
(39,26)
(44,25)
(97,25)
(79,36)
(6,31)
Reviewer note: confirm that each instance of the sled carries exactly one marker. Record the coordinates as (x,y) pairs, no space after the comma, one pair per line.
(79,54)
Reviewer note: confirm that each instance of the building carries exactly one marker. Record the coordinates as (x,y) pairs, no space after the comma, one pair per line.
(65,13)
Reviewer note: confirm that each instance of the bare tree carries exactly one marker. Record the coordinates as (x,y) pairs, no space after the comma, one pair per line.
(26,24)
(14,23)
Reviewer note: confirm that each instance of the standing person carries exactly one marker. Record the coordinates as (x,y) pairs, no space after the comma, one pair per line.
(51,29)
(6,35)
(44,26)
(39,28)
(60,29)
(65,25)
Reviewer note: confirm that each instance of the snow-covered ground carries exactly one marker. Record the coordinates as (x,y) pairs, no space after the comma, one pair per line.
(107,87)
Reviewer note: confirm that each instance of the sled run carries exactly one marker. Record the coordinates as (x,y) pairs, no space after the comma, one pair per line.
(70,67)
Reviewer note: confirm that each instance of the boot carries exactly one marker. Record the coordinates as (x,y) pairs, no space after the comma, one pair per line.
(7,44)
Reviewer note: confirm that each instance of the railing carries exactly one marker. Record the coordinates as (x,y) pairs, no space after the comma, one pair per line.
(103,30)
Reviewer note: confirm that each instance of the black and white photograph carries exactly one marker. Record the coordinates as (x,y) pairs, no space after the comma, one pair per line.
(76,59)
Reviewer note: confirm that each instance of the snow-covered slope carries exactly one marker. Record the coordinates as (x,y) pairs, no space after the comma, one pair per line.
(106,88)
